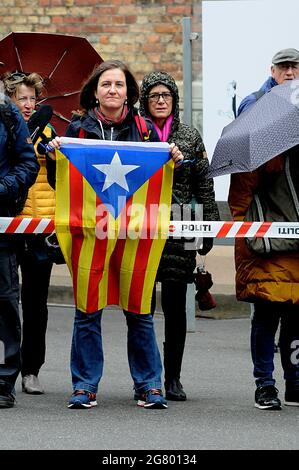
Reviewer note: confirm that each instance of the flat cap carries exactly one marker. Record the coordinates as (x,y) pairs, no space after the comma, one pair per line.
(286,55)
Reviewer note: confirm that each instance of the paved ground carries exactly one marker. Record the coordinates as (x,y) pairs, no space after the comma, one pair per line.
(219,412)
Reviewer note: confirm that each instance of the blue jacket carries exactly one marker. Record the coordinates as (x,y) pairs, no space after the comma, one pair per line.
(18,171)
(251,99)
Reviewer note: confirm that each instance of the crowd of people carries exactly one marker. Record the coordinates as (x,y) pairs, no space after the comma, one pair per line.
(108,111)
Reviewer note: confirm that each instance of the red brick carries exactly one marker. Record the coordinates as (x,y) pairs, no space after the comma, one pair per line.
(117,19)
(87,3)
(165,28)
(150,47)
(69,29)
(130,19)
(105,10)
(115,29)
(179,10)
(104,40)
(57,19)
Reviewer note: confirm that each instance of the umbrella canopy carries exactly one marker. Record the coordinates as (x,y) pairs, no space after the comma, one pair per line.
(64,62)
(266,129)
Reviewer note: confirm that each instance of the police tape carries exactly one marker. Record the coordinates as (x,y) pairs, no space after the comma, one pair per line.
(177,229)
(233,229)
(26,225)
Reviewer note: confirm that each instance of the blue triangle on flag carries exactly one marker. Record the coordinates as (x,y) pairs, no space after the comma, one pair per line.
(137,163)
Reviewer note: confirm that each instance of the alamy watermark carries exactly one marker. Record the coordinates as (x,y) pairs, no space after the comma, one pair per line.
(295,353)
(137,222)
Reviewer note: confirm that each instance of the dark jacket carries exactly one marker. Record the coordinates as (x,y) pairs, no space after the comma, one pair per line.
(127,131)
(273,277)
(19,170)
(190,183)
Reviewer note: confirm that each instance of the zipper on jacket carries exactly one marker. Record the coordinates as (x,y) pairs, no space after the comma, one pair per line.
(111,135)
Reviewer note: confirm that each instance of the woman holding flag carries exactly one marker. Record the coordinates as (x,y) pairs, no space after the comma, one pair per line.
(107,100)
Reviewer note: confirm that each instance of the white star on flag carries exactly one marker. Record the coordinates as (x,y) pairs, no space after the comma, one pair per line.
(115,172)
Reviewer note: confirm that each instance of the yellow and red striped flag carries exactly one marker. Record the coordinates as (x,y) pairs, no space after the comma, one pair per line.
(112,218)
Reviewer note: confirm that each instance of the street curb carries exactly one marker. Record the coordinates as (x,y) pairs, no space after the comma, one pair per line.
(227,305)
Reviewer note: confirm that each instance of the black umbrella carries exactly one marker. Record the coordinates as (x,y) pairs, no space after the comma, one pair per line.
(266,129)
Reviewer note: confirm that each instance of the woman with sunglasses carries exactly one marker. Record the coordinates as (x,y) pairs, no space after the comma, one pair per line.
(159,101)
(24,90)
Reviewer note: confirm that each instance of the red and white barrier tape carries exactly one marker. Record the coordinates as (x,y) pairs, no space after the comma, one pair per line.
(25,225)
(176,228)
(234,229)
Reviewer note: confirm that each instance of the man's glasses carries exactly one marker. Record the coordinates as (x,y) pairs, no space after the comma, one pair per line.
(155,97)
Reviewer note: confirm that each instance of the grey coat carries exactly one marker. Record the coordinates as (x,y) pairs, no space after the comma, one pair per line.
(190,182)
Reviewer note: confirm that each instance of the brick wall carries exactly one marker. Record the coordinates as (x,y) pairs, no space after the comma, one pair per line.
(146,34)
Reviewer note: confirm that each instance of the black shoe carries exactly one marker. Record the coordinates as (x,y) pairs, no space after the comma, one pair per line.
(291,397)
(174,390)
(266,398)
(7,399)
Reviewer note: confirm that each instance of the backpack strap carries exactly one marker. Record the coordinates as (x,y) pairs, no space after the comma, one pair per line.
(82,133)
(142,127)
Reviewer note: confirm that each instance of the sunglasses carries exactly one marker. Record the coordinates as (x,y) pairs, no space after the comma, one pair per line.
(17,76)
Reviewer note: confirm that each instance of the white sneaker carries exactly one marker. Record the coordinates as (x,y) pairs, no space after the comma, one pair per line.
(31,384)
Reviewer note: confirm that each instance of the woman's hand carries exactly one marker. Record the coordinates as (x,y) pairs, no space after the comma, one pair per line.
(176,155)
(53,145)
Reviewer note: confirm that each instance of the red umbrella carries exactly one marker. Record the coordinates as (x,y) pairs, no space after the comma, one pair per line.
(64,62)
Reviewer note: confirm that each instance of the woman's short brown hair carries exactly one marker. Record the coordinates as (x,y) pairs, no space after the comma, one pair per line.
(87,95)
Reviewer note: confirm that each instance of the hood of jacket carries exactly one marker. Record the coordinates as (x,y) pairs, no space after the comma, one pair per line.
(160,78)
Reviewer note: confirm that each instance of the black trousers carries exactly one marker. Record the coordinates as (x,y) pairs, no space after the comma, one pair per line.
(173,301)
(36,273)
(10,328)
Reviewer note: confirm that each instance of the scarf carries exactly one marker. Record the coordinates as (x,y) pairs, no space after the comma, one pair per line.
(109,121)
(165,131)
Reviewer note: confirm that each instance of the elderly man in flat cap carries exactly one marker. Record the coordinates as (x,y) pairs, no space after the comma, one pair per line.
(285,66)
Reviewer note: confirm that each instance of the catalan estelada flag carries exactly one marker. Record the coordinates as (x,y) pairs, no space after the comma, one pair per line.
(112,218)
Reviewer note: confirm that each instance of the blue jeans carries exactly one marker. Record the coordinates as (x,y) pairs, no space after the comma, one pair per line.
(264,325)
(87,358)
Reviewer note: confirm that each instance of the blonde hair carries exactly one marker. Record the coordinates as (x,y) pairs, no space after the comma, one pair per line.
(12,81)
